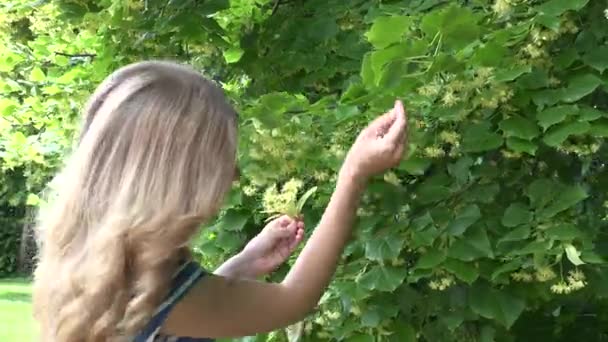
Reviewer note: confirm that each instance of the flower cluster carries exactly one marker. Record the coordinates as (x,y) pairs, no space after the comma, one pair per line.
(522,276)
(574,282)
(442,284)
(274,201)
(544,274)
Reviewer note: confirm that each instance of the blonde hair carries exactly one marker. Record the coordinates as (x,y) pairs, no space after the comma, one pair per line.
(155,159)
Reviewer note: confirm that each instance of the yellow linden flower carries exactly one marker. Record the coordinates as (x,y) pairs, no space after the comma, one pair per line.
(560,288)
(434,152)
(449,98)
(576,275)
(249,190)
(522,276)
(274,201)
(456,85)
(323,335)
(450,137)
(544,274)
(321,176)
(434,285)
(533,51)
(333,315)
(491,103)
(391,178)
(502,8)
(447,281)
(429,90)
(485,72)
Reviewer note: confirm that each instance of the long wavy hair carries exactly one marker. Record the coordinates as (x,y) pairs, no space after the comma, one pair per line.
(155,158)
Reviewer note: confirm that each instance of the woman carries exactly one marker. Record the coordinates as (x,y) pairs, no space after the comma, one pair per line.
(156,158)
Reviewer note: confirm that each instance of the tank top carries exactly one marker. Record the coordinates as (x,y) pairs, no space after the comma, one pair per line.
(183,280)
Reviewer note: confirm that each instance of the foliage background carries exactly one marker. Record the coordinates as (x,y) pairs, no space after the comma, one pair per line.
(494,229)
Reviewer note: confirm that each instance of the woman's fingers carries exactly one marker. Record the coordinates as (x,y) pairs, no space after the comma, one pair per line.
(396,132)
(299,236)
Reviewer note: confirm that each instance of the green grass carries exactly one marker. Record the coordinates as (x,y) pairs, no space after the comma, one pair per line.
(16,321)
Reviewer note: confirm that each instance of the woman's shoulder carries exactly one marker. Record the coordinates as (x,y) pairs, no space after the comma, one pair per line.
(183,279)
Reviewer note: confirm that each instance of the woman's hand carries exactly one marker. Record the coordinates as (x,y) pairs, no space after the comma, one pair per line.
(271,248)
(267,251)
(378,147)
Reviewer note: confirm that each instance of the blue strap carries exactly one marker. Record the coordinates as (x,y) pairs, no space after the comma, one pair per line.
(183,280)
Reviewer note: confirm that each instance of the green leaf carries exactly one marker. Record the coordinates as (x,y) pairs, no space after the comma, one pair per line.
(32,199)
(479,138)
(302,201)
(370,318)
(403,332)
(7,106)
(590,257)
(554,115)
(209,7)
(424,238)
(457,25)
(383,278)
(564,231)
(516,214)
(37,75)
(596,58)
(473,245)
(599,129)
(517,234)
(430,259)
(573,255)
(566,198)
(233,54)
(229,241)
(558,7)
(367,72)
(519,127)
(505,268)
(549,21)
(532,248)
(581,86)
(461,169)
(415,165)
(541,191)
(566,58)
(388,30)
(383,248)
(507,75)
(559,134)
(497,305)
(463,271)
(422,221)
(232,220)
(490,54)
(522,146)
(590,114)
(429,192)
(466,218)
(362,338)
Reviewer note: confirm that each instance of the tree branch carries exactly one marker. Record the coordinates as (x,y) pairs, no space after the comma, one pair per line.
(91,55)
(275,7)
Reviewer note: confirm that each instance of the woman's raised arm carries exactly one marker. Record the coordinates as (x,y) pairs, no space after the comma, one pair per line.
(220,307)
